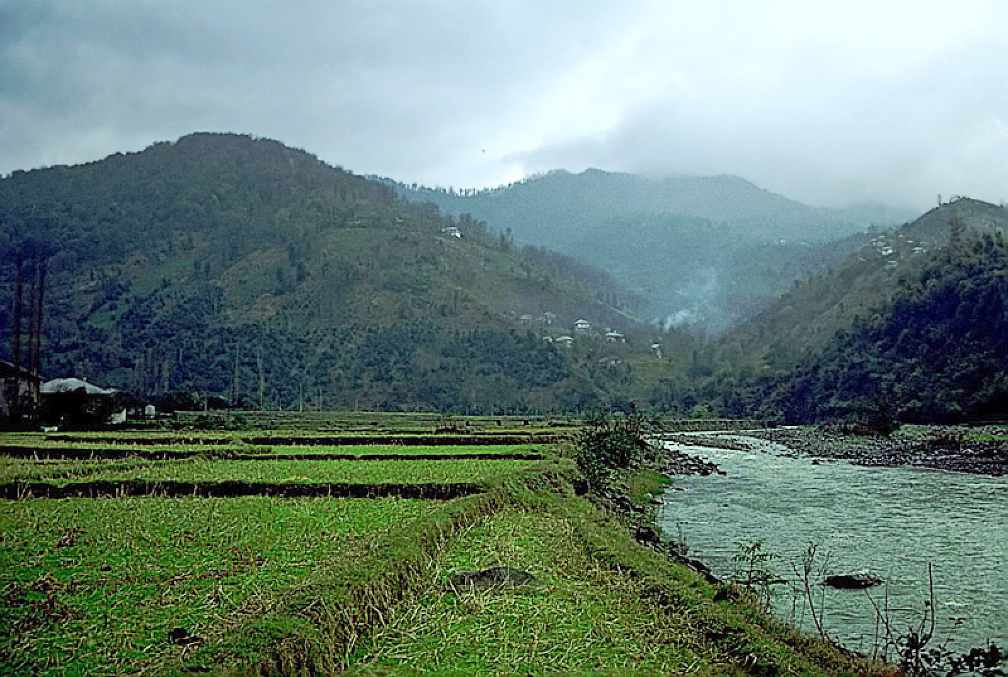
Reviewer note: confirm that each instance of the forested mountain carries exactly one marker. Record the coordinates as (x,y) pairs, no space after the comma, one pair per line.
(912,326)
(808,316)
(237,266)
(686,244)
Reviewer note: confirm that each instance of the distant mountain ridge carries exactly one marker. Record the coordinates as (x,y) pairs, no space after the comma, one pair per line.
(694,229)
(537,203)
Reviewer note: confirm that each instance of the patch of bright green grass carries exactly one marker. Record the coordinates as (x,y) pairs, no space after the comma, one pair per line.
(579,618)
(232,450)
(26,469)
(378,449)
(96,586)
(313,472)
(643,483)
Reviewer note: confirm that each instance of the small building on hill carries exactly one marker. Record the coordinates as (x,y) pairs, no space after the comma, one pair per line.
(74,401)
(451,231)
(615,337)
(564,341)
(582,327)
(19,390)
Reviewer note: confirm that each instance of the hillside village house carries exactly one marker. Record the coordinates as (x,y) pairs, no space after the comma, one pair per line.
(564,341)
(549,318)
(452,231)
(75,401)
(615,337)
(525,319)
(582,327)
(18,386)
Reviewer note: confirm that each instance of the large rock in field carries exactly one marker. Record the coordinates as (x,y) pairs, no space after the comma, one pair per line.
(494,577)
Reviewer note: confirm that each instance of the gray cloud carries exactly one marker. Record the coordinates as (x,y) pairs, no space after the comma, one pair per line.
(869,101)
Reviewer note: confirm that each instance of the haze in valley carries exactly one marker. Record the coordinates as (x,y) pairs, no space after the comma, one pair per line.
(859,102)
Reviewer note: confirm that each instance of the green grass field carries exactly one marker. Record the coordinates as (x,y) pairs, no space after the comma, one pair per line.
(256,583)
(288,472)
(579,616)
(12,469)
(97,586)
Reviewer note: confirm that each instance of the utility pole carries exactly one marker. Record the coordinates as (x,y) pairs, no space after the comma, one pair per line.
(234,379)
(262,379)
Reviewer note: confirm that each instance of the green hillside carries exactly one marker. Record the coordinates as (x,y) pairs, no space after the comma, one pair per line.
(175,264)
(685,244)
(807,317)
(912,326)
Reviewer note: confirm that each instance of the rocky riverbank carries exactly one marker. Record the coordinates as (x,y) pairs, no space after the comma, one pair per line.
(938,447)
(674,462)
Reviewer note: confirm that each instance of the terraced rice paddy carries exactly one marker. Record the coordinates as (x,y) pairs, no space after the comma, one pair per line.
(85,451)
(576,616)
(134,582)
(179,551)
(98,586)
(293,472)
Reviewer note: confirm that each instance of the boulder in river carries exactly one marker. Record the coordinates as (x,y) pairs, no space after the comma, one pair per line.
(857,581)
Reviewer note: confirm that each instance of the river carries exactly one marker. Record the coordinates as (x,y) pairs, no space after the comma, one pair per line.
(891,522)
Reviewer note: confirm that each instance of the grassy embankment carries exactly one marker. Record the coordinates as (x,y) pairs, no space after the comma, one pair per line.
(159,584)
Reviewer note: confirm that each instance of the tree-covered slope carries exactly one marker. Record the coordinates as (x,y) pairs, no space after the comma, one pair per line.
(676,241)
(806,318)
(226,264)
(938,351)
(914,326)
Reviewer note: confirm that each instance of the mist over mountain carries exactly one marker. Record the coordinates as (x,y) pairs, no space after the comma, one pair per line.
(686,244)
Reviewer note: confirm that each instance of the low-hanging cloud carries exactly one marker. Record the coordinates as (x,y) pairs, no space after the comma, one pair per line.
(866,101)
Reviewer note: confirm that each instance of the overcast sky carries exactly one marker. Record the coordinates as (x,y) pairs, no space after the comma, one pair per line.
(886,101)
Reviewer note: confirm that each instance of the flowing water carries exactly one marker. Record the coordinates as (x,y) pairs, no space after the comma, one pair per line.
(891,522)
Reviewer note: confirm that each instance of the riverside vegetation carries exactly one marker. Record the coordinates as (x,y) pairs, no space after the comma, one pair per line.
(119,580)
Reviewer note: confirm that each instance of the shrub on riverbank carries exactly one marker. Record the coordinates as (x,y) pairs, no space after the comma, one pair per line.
(607,444)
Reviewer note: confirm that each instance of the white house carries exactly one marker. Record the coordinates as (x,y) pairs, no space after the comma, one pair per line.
(452,231)
(582,327)
(564,341)
(615,337)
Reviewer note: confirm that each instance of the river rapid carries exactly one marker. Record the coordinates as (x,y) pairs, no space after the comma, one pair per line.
(891,522)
